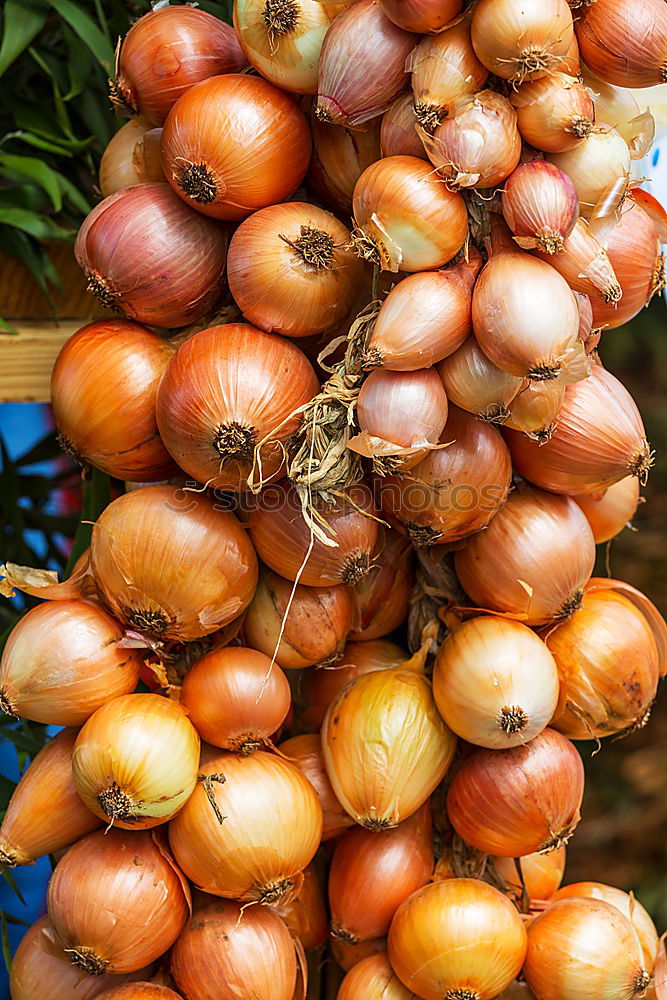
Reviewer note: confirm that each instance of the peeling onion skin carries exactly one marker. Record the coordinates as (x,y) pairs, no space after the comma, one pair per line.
(373,979)
(596,166)
(518,801)
(610,513)
(625,41)
(340,156)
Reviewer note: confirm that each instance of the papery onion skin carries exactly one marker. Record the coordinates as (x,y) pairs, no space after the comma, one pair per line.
(421,16)
(141,991)
(394,708)
(305,752)
(148,257)
(589,336)
(596,166)
(340,156)
(137,546)
(532,561)
(45,813)
(654,618)
(383,598)
(258,852)
(541,875)
(518,801)
(599,439)
(585,265)
(555,113)
(405,219)
(145,901)
(62,661)
(305,915)
(540,202)
(584,948)
(457,938)
(613,511)
(291,271)
(373,979)
(234,144)
(132,156)
(117,363)
(349,955)
(444,70)
(625,41)
(362,65)
(476,385)
(227,390)
(521,40)
(535,408)
(495,683)
(398,133)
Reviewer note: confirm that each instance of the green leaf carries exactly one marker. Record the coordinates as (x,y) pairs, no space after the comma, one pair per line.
(35,225)
(21,24)
(9,878)
(73,194)
(38,171)
(33,256)
(7,327)
(87,31)
(6,952)
(96,496)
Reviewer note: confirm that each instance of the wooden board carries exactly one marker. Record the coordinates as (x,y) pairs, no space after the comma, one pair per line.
(27,357)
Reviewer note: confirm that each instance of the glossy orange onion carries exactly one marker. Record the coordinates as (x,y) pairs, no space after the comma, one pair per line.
(305,752)
(444,70)
(373,979)
(340,156)
(117,901)
(476,385)
(227,400)
(421,16)
(62,661)
(132,156)
(518,801)
(614,510)
(555,113)
(305,915)
(382,599)
(654,618)
(137,550)
(537,875)
(532,561)
(249,829)
(141,991)
(233,144)
(520,40)
(535,408)
(395,707)
(585,265)
(625,41)
(398,134)
(458,938)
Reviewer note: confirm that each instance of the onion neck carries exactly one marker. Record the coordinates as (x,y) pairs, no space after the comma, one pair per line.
(533,59)
(366,247)
(70,449)
(277,892)
(422,536)
(314,247)
(87,960)
(280,17)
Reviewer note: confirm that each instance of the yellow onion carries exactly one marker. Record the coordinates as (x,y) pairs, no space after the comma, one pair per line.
(286,543)
(132,156)
(598,167)
(609,667)
(340,156)
(404,217)
(521,39)
(382,599)
(599,439)
(117,901)
(103,389)
(290,269)
(533,560)
(372,873)
(535,875)
(620,108)
(458,938)
(309,630)
(139,546)
(518,801)
(393,709)
(45,813)
(398,133)
(305,915)
(249,829)
(141,991)
(456,489)
(362,65)
(540,206)
(373,979)
(321,686)
(349,955)
(625,41)
(585,265)
(495,683)
(62,661)
(305,752)
(571,62)
(584,948)
(425,318)
(535,408)
(654,618)
(555,113)
(282,39)
(476,385)
(245,952)
(478,145)
(444,69)
(421,16)
(609,513)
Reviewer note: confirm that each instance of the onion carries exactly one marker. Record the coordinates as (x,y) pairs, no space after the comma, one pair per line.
(518,801)
(290,269)
(455,490)
(236,698)
(589,336)
(584,948)
(536,876)
(619,107)
(103,389)
(116,902)
(396,707)
(555,113)
(45,813)
(349,955)
(532,561)
(521,39)
(340,156)
(227,400)
(444,70)
(165,52)
(132,156)
(305,915)
(305,752)
(495,683)
(459,939)
(479,145)
(585,265)
(476,385)
(245,952)
(540,206)
(249,829)
(141,991)
(571,62)
(598,167)
(234,144)
(139,546)
(421,16)
(405,218)
(362,65)
(424,319)
(282,40)
(625,41)
(534,410)
(599,439)
(650,612)
(373,979)
(286,543)
(382,599)
(389,865)
(146,255)
(398,134)
(62,661)
(614,510)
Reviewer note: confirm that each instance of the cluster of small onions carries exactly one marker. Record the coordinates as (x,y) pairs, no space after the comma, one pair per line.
(239,719)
